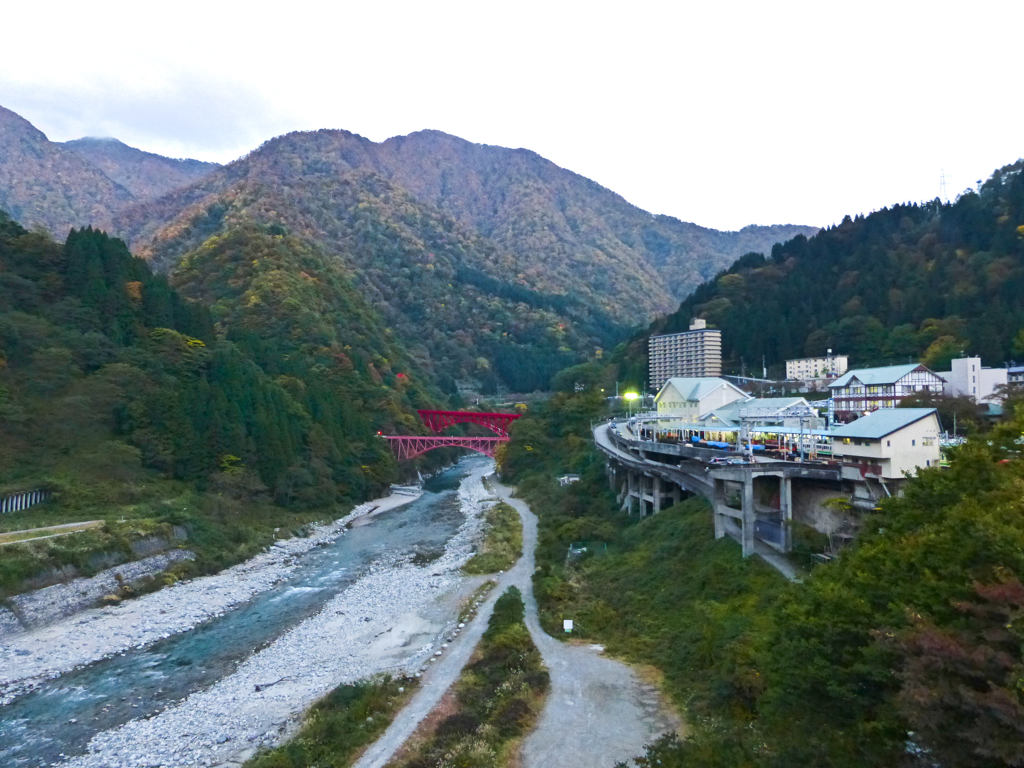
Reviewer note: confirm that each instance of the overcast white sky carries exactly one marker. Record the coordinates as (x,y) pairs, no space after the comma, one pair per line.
(721,113)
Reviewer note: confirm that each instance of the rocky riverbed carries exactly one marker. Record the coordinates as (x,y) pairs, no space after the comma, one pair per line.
(392,618)
(28,658)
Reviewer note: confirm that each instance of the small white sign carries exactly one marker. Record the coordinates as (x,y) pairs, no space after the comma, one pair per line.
(567,625)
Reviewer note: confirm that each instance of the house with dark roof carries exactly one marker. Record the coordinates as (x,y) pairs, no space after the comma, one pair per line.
(867,389)
(887,444)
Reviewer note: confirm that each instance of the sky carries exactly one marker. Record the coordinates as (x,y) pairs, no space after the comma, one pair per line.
(720,113)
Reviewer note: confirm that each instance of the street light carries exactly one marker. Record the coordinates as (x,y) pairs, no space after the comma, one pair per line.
(630,398)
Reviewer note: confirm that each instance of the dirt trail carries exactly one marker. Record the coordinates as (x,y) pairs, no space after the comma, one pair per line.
(598,711)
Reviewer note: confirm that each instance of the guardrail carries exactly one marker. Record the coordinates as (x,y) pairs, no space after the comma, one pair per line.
(16,502)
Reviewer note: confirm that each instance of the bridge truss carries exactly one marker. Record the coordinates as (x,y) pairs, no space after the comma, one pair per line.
(411,446)
(438,421)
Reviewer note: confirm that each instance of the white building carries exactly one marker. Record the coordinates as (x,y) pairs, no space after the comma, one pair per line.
(813,368)
(690,399)
(693,353)
(868,389)
(968,378)
(888,443)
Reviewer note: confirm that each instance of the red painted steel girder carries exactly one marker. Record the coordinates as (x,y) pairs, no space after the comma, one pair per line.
(411,446)
(498,423)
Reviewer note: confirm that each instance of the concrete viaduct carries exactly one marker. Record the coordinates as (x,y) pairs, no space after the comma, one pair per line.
(754,503)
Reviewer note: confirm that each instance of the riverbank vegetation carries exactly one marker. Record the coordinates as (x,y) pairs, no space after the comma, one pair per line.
(494,704)
(502,544)
(902,652)
(240,412)
(218,534)
(341,724)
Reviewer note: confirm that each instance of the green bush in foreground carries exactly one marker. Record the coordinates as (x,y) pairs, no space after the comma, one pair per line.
(339,725)
(503,543)
(498,698)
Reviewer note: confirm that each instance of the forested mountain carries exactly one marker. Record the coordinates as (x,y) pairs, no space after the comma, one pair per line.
(492,265)
(443,290)
(927,281)
(107,375)
(45,183)
(553,218)
(564,233)
(79,183)
(144,174)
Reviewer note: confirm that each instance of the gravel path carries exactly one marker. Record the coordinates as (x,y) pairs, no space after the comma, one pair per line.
(597,713)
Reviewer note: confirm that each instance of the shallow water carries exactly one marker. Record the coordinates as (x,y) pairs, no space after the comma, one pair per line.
(58,719)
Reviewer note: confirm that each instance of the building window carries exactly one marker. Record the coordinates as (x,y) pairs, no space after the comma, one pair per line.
(913,442)
(888,443)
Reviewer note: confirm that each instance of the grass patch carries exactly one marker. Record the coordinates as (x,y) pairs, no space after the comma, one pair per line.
(340,725)
(496,701)
(503,541)
(220,531)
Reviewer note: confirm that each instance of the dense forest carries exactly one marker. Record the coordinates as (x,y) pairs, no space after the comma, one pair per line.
(430,282)
(928,281)
(904,651)
(106,371)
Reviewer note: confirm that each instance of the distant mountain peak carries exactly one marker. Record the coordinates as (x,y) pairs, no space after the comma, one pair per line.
(11,122)
(61,185)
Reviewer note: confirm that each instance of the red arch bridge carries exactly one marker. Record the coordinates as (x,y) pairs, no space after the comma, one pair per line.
(410,446)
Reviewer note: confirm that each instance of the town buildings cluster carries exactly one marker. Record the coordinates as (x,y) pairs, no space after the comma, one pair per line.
(768,464)
(884,442)
(697,353)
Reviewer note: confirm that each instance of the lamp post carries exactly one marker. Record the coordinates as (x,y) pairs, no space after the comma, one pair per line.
(630,398)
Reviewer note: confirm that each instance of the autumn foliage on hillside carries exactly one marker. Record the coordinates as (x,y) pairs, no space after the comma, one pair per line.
(108,373)
(926,281)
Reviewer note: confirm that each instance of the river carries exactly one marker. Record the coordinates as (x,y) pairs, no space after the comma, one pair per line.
(58,719)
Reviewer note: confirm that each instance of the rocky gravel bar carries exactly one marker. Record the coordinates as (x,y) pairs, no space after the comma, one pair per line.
(394,618)
(31,657)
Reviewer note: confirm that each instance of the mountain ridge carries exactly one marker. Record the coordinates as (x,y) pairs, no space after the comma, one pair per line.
(549,214)
(84,182)
(144,174)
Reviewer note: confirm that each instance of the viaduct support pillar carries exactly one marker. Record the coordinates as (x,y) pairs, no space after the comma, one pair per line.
(748,516)
(718,502)
(786,502)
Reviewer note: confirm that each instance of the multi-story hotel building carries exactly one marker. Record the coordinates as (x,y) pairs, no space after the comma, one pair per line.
(694,353)
(815,368)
